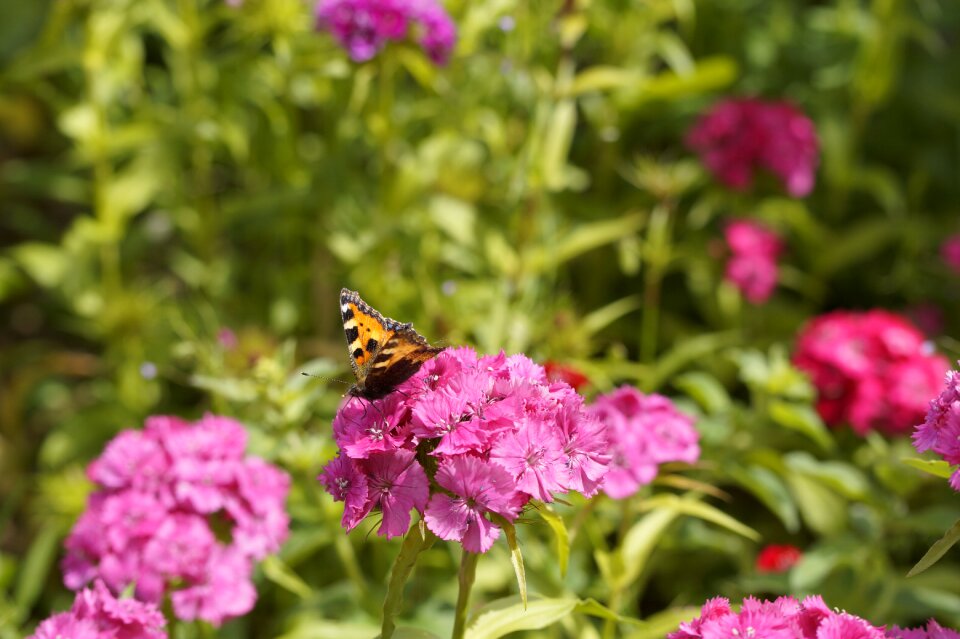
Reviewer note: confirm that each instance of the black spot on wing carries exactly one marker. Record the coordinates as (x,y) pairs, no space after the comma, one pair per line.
(352,334)
(357,353)
(372,345)
(347,314)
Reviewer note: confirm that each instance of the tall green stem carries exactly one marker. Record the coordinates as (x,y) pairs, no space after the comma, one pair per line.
(468,572)
(658,252)
(417,540)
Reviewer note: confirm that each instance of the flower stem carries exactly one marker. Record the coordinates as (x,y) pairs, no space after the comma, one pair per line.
(468,571)
(417,540)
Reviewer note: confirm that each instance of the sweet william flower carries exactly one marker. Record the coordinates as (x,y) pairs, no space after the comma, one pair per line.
(752,266)
(737,137)
(97,614)
(473,437)
(477,488)
(150,523)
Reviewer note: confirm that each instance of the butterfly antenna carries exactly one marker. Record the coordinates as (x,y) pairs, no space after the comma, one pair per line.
(326,379)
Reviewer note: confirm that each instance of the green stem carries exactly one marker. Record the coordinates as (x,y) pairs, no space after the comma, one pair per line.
(417,540)
(658,250)
(468,572)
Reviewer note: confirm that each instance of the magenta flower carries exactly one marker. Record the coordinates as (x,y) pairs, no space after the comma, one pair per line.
(644,432)
(950,252)
(534,455)
(478,488)
(363,27)
(787,618)
(940,431)
(752,266)
(873,370)
(932,631)
(396,484)
(490,432)
(96,614)
(151,523)
(737,137)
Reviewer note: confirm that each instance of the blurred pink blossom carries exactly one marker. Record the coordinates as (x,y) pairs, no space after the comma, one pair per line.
(752,266)
(738,136)
(950,252)
(97,614)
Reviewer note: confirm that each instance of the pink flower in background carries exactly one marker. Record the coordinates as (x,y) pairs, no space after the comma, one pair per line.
(149,525)
(872,370)
(788,618)
(752,266)
(950,252)
(96,614)
(491,432)
(363,27)
(644,432)
(739,136)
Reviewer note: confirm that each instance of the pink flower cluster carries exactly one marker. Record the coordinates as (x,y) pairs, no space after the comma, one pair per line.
(752,266)
(787,618)
(872,370)
(739,136)
(940,431)
(950,253)
(96,614)
(363,27)
(644,432)
(166,496)
(465,440)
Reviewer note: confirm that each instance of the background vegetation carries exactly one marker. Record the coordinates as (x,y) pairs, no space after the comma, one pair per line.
(186,185)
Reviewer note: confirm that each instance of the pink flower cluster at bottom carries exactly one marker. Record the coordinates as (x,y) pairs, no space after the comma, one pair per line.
(96,614)
(645,431)
(163,491)
(467,441)
(872,370)
(788,618)
(752,266)
(940,431)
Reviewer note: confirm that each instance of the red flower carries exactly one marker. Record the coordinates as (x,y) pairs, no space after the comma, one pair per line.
(778,558)
(563,373)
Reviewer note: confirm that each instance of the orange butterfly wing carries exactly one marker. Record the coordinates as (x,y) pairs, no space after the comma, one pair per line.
(383,352)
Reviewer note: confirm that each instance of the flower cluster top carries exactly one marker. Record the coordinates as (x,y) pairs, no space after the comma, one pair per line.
(739,136)
(96,614)
(940,431)
(644,432)
(465,441)
(163,492)
(787,618)
(752,266)
(363,27)
(872,370)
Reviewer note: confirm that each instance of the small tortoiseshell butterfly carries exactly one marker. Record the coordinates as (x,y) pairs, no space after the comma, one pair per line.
(383,352)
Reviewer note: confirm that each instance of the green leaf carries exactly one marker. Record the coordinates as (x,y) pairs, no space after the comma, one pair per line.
(583,238)
(935,467)
(602,78)
(767,486)
(604,316)
(803,419)
(36,567)
(561,539)
(709,74)
(281,574)
(706,390)
(695,508)
(45,263)
(685,352)
(843,478)
(556,147)
(516,558)
(822,509)
(638,545)
(937,550)
(504,616)
(813,568)
(659,625)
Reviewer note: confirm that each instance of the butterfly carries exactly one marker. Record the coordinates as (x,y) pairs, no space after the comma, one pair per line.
(383,352)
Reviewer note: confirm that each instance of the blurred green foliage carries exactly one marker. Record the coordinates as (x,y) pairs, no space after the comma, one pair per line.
(186,185)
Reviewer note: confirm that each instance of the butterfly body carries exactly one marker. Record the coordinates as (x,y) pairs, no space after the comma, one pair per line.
(383,352)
